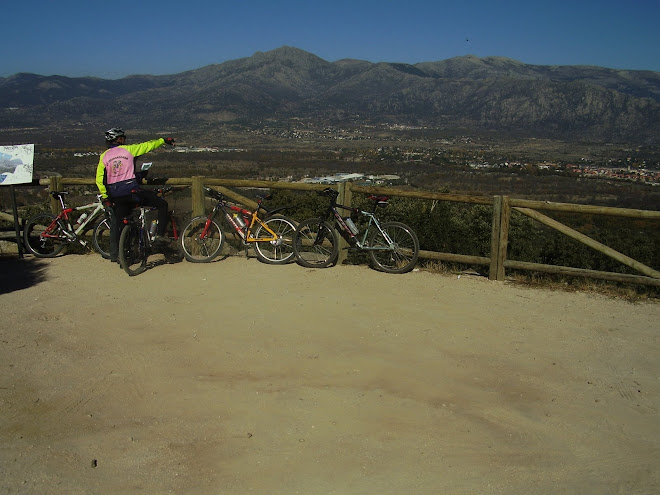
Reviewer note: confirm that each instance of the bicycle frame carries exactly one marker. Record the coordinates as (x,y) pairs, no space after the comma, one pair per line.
(142,216)
(142,222)
(244,232)
(333,211)
(65,221)
(97,208)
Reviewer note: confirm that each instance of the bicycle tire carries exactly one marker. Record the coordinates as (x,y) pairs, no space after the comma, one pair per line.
(101,237)
(315,244)
(403,257)
(133,249)
(36,244)
(198,250)
(279,251)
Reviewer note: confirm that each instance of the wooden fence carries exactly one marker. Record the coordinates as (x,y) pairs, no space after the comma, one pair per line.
(502,208)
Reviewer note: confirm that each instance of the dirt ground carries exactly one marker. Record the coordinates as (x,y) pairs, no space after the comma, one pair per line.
(237,377)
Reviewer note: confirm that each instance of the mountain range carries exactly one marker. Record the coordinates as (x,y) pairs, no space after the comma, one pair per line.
(471,94)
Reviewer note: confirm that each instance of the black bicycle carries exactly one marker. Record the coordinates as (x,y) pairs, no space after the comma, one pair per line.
(392,246)
(136,242)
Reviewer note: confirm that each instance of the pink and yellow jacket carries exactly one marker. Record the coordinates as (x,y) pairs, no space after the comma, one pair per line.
(115,174)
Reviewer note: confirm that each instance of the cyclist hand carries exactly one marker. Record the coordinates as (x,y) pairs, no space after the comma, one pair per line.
(169,141)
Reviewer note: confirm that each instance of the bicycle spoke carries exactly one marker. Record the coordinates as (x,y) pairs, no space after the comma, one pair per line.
(400,255)
(316,244)
(280,249)
(201,244)
(43,237)
(101,237)
(133,249)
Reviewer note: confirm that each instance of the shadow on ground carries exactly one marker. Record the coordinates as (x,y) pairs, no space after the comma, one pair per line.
(20,273)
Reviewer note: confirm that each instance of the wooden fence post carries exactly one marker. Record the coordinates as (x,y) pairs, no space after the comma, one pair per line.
(55,185)
(345,197)
(499,239)
(197,196)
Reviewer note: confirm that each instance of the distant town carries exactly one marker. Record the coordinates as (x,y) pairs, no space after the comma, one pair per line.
(651,177)
(362,179)
(633,173)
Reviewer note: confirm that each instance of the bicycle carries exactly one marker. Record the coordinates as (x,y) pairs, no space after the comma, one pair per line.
(45,235)
(136,242)
(392,246)
(203,238)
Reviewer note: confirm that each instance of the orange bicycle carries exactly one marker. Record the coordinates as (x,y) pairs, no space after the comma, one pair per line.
(203,238)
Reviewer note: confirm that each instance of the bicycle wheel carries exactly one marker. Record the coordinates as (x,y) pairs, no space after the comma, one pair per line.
(279,251)
(101,237)
(133,250)
(401,256)
(43,236)
(201,250)
(316,243)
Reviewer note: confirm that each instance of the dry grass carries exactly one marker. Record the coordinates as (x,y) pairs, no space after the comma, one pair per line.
(628,292)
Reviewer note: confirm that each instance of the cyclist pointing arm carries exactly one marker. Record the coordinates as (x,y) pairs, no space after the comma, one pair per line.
(119,182)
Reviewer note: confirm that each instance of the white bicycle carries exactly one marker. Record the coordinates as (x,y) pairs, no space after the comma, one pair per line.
(45,235)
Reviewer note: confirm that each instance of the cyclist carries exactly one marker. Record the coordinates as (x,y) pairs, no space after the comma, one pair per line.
(119,184)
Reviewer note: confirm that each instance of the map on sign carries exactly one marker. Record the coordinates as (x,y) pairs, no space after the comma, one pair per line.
(16,164)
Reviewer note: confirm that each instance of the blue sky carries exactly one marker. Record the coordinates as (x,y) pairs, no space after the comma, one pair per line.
(91,38)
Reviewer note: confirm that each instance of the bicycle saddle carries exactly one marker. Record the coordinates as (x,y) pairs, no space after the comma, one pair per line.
(379,198)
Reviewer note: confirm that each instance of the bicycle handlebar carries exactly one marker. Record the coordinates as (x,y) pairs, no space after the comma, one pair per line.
(213,193)
(169,189)
(328,191)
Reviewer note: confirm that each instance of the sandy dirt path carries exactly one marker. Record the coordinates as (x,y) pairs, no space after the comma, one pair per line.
(237,377)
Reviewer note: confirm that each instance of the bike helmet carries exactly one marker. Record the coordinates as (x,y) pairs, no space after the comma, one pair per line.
(114,133)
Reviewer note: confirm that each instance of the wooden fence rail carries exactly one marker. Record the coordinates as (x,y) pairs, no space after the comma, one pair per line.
(502,208)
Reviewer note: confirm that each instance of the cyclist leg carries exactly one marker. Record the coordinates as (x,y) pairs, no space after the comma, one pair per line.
(121,208)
